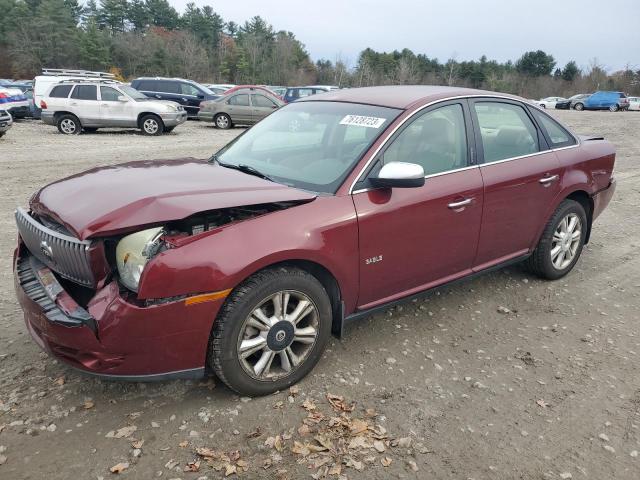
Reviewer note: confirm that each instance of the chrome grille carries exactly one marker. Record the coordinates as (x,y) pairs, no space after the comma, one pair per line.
(66,255)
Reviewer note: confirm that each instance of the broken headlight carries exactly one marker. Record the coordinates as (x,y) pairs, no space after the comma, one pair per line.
(133,252)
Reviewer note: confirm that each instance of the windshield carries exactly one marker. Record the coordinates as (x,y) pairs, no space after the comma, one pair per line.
(132,92)
(309,145)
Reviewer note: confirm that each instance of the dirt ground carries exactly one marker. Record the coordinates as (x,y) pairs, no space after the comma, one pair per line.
(448,386)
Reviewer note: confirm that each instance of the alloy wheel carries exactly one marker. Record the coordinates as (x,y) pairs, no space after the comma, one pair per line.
(150,126)
(566,241)
(68,126)
(222,121)
(278,335)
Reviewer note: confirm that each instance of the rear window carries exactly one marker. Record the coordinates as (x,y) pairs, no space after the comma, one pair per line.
(60,91)
(85,92)
(148,85)
(558,136)
(242,100)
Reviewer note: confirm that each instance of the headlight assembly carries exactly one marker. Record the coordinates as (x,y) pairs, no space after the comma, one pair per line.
(172,108)
(133,252)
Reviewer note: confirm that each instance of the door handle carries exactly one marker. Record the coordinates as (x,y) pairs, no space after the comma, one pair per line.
(461,203)
(184,99)
(549,179)
(158,96)
(104,104)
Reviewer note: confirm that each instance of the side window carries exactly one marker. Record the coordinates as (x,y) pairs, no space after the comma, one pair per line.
(146,85)
(506,131)
(241,100)
(168,87)
(261,101)
(108,94)
(188,89)
(559,136)
(60,91)
(85,92)
(437,140)
(305,92)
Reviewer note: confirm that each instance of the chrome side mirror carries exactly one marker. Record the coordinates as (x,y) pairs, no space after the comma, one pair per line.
(399,175)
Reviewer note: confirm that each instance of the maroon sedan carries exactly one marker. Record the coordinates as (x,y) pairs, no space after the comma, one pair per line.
(330,209)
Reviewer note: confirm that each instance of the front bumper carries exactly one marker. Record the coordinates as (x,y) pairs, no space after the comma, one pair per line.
(5,123)
(173,119)
(205,116)
(112,337)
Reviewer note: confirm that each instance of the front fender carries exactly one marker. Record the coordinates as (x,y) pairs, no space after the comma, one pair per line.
(323,231)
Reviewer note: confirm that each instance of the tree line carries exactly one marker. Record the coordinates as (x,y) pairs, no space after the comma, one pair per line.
(150,37)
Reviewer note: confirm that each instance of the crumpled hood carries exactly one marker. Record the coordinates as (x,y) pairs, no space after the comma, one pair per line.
(114,199)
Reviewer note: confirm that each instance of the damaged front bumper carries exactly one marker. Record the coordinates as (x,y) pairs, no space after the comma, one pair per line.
(112,337)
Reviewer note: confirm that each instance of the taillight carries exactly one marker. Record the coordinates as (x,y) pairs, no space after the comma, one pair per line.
(43,104)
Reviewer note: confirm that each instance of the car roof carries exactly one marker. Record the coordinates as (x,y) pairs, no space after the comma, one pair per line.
(399,96)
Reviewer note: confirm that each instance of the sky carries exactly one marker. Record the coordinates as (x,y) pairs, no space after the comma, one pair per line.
(608,31)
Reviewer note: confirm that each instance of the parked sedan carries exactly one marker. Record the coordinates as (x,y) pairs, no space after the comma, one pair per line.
(549,102)
(634,103)
(246,263)
(242,107)
(5,122)
(570,102)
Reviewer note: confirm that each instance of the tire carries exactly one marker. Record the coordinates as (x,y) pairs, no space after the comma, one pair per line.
(234,327)
(579,107)
(543,106)
(2,134)
(151,125)
(168,129)
(69,124)
(543,262)
(614,108)
(90,129)
(222,121)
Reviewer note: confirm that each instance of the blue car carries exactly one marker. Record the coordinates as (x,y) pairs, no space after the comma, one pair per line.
(604,100)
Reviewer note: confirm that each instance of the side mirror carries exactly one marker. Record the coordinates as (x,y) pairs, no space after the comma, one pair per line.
(122,98)
(399,175)
(200,96)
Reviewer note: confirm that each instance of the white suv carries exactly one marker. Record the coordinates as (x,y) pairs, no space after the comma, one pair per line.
(75,105)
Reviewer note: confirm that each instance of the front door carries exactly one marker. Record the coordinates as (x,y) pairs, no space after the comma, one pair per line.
(415,238)
(114,112)
(261,106)
(521,179)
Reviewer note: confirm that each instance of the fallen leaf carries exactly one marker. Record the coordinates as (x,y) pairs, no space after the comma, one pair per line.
(379,446)
(255,434)
(59,381)
(353,463)
(358,442)
(335,469)
(279,404)
(137,443)
(125,432)
(309,405)
(207,452)
(304,430)
(119,468)
(358,426)
(300,449)
(370,412)
(183,444)
(542,403)
(88,404)
(234,456)
(171,464)
(412,465)
(229,469)
(404,442)
(337,403)
(294,390)
(267,463)
(192,466)
(386,461)
(326,442)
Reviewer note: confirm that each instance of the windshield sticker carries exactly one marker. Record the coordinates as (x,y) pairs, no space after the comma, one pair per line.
(362,121)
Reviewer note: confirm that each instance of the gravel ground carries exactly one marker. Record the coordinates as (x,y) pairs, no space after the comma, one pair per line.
(504,376)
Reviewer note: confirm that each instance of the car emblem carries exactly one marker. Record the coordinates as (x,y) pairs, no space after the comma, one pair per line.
(280,335)
(46,250)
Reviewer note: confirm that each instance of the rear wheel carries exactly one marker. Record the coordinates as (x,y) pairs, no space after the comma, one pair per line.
(271,331)
(561,243)
(223,121)
(151,125)
(69,124)
(578,106)
(614,108)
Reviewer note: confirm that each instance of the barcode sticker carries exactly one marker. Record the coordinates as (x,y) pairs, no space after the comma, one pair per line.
(362,121)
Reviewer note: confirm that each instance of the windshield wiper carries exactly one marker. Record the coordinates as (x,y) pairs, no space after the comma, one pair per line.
(248,169)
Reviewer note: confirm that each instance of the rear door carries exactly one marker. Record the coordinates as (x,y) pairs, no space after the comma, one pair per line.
(261,106)
(415,238)
(521,178)
(84,104)
(239,108)
(190,98)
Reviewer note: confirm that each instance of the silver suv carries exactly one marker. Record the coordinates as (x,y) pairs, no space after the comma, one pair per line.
(76,105)
(5,122)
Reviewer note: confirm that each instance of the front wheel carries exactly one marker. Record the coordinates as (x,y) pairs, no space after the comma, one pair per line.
(614,108)
(271,331)
(223,121)
(151,125)
(579,106)
(561,243)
